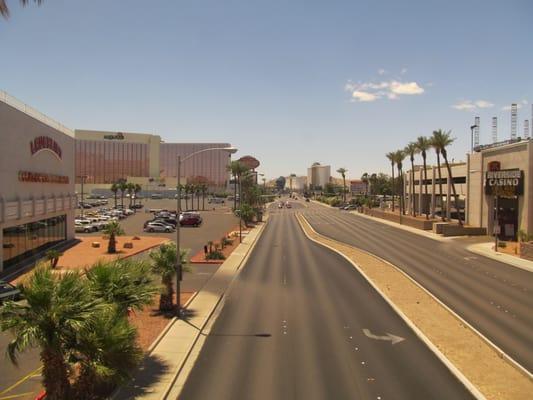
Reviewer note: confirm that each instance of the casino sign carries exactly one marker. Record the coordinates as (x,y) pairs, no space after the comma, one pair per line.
(249,161)
(505,182)
(41,143)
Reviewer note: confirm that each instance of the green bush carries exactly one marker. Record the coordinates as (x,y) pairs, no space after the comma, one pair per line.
(503,245)
(215,255)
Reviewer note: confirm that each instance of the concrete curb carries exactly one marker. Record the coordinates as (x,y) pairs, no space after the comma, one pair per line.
(485,249)
(183,335)
(452,368)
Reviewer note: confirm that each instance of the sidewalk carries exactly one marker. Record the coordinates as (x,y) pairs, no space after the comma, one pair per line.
(157,375)
(487,250)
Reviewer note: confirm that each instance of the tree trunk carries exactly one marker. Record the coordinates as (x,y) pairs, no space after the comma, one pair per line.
(198,201)
(234,193)
(413,187)
(86,385)
(186,200)
(116,199)
(456,200)
(344,188)
(55,375)
(112,245)
(425,183)
(440,188)
(203,201)
(165,300)
(393,188)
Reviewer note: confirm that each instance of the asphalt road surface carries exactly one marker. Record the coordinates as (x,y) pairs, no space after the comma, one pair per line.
(495,298)
(292,327)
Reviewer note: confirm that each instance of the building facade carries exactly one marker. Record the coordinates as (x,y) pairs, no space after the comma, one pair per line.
(37,197)
(295,183)
(318,176)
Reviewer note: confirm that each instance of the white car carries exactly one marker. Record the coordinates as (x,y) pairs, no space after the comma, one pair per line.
(158,227)
(129,211)
(84,228)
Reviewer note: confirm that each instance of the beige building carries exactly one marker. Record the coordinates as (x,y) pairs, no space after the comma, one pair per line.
(37,198)
(295,183)
(318,176)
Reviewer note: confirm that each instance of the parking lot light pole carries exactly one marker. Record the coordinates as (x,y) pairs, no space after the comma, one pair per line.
(179,267)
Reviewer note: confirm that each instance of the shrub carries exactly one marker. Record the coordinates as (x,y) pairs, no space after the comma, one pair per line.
(503,245)
(226,241)
(215,255)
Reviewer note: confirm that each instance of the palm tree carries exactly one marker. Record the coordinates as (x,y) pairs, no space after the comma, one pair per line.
(364,179)
(411,149)
(107,352)
(399,155)
(113,229)
(392,158)
(122,186)
(56,308)
(424,144)
(4,9)
(237,169)
(126,283)
(203,188)
(343,171)
(53,256)
(164,264)
(443,139)
(136,190)
(130,188)
(114,189)
(435,143)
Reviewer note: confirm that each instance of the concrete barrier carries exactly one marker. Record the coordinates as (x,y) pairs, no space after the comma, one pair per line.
(408,220)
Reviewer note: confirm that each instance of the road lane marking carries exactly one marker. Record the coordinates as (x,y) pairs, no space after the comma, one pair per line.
(21,380)
(389,337)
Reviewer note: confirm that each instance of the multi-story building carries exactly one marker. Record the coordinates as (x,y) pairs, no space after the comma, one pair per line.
(318,176)
(295,183)
(103,158)
(37,198)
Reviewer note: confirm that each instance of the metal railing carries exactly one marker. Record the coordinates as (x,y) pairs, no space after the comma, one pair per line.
(32,112)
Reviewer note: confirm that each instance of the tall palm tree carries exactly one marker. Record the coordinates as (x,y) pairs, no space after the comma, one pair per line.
(424,144)
(163,262)
(411,149)
(364,179)
(399,156)
(435,143)
(122,186)
(442,140)
(113,229)
(203,188)
(236,168)
(114,189)
(392,158)
(4,9)
(56,308)
(126,283)
(343,171)
(136,190)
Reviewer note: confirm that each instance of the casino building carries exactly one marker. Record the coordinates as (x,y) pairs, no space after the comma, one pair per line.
(37,197)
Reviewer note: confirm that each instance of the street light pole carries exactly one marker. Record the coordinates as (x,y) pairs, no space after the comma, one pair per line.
(179,267)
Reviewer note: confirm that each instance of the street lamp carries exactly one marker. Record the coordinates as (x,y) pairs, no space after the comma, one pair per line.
(472,137)
(230,150)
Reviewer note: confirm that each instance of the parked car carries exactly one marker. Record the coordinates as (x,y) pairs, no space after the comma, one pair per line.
(216,200)
(8,292)
(137,206)
(80,228)
(307,199)
(190,219)
(288,205)
(280,205)
(158,227)
(156,196)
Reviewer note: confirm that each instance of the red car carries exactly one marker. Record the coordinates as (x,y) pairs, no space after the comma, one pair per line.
(190,220)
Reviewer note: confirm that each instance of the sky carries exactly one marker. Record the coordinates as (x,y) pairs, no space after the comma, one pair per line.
(289,82)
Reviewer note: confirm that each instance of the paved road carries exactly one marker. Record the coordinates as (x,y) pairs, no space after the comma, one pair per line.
(292,328)
(495,298)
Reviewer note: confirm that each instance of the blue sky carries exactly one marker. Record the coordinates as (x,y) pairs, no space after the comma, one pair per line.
(290,82)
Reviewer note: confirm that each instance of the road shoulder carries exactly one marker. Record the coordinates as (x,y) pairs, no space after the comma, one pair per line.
(486,250)
(469,355)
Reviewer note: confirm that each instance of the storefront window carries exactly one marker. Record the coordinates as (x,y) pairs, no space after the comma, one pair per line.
(23,241)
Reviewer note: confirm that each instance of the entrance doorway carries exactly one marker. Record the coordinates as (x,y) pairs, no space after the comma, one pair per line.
(507,215)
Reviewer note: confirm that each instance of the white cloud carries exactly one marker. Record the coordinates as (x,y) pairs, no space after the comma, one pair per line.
(469,105)
(364,96)
(381,71)
(372,91)
(508,108)
(403,71)
(406,88)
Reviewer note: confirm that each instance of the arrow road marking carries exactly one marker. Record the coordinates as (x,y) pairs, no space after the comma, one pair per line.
(390,337)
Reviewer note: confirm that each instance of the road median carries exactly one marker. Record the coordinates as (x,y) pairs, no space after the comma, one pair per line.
(481,367)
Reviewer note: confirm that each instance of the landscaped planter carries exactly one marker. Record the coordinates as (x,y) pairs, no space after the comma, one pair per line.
(526,250)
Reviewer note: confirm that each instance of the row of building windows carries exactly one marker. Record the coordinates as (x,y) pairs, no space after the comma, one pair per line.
(22,241)
(107,162)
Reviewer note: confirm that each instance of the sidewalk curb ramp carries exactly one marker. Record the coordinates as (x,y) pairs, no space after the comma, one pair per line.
(172,350)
